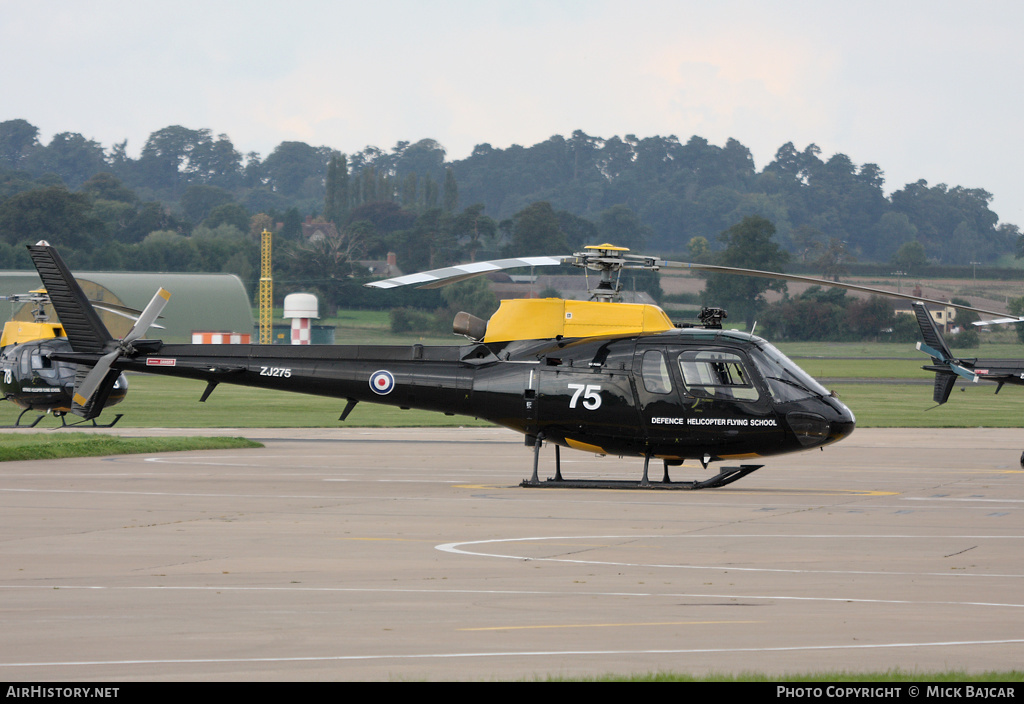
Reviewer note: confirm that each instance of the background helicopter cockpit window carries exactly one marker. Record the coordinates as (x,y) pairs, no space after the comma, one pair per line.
(26,362)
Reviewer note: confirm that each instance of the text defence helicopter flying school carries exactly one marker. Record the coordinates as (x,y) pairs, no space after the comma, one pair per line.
(602,377)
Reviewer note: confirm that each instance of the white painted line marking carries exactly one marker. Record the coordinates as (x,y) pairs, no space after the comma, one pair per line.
(456,549)
(967,499)
(520,653)
(56,588)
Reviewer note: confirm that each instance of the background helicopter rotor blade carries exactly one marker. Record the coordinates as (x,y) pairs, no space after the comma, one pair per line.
(40,297)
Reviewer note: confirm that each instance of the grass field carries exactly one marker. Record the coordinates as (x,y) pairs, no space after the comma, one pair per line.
(52,446)
(163,402)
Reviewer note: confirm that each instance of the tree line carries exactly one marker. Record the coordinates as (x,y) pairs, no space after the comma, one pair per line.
(819,313)
(191,199)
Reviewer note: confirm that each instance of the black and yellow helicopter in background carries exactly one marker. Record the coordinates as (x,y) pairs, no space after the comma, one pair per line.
(598,376)
(30,377)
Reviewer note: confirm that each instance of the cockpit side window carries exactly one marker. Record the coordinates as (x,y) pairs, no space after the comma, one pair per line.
(713,374)
(43,365)
(654,371)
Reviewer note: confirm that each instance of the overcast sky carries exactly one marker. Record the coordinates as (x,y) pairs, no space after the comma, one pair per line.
(925,89)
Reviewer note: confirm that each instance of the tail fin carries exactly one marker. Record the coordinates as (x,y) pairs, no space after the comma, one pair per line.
(930,334)
(85,331)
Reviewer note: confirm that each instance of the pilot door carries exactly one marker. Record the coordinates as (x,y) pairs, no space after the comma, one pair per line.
(698,399)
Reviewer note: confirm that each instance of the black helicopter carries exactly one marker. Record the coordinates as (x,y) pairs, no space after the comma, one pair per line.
(30,377)
(603,377)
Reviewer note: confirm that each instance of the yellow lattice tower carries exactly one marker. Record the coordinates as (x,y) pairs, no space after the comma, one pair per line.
(266,293)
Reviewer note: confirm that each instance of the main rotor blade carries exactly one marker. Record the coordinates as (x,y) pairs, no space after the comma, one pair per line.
(594,259)
(824,282)
(149,315)
(437,278)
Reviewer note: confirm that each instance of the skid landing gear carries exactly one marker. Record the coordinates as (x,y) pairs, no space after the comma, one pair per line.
(727,475)
(94,423)
(63,422)
(17,423)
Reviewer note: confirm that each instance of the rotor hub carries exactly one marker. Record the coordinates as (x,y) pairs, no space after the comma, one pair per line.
(609,260)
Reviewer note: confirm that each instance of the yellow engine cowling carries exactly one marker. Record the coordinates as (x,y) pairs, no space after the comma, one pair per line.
(543,318)
(18,331)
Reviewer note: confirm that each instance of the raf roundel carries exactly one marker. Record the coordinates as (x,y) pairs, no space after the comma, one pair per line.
(382,382)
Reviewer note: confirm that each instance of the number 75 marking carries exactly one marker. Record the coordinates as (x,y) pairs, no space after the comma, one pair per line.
(591,396)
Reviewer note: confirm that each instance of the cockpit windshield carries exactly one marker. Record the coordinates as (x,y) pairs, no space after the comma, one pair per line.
(786,381)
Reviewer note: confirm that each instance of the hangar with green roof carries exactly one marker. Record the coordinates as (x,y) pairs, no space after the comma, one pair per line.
(199,302)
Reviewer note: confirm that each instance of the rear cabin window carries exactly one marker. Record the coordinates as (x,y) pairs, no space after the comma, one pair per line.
(716,375)
(654,370)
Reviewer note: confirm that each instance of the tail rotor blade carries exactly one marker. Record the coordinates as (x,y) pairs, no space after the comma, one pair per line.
(149,316)
(94,378)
